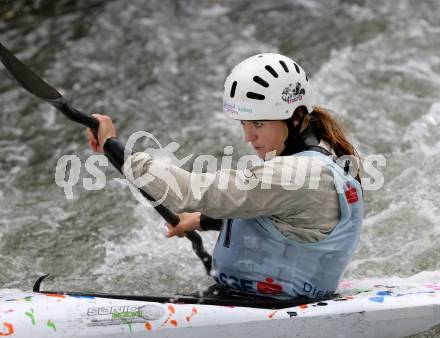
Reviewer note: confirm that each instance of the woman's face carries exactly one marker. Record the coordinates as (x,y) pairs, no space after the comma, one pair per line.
(265,136)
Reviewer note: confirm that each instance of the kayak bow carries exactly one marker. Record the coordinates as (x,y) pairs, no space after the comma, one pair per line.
(365,309)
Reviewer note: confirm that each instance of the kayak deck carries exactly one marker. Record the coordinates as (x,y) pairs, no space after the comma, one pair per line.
(361,311)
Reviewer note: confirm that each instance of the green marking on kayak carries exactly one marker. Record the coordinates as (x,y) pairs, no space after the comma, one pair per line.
(51,324)
(28,299)
(31,315)
(131,314)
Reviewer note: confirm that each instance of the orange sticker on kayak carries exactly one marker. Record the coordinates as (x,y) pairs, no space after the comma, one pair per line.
(193,313)
(171,309)
(148,326)
(9,330)
(272,314)
(55,295)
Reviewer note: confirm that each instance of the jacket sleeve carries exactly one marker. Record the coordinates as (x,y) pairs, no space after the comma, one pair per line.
(223,194)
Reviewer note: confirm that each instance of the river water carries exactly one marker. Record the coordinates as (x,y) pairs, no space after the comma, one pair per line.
(159,66)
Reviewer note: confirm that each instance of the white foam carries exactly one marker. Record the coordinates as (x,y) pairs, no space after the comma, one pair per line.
(422,133)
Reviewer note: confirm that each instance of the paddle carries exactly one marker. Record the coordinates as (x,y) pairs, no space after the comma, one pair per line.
(38,87)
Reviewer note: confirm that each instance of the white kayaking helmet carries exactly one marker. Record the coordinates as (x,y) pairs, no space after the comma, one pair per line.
(266,87)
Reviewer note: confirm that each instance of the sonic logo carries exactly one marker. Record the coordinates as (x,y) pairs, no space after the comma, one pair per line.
(124,314)
(292,94)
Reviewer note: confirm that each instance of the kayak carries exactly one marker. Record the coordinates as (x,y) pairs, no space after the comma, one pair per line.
(362,308)
(366,308)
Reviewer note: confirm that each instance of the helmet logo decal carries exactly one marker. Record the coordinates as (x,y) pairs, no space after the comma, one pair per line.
(292,94)
(235,109)
(229,107)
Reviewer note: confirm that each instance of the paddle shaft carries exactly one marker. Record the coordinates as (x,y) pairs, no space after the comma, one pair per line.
(91,122)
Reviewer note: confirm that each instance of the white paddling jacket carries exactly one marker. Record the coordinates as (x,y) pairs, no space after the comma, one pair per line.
(253,256)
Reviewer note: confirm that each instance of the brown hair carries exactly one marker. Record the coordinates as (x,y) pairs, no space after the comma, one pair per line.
(331,132)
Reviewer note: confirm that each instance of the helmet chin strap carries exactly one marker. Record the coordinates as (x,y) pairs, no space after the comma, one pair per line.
(298,141)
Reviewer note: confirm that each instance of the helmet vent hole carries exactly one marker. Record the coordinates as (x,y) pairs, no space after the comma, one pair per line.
(261,82)
(284,66)
(297,68)
(271,70)
(233,87)
(255,96)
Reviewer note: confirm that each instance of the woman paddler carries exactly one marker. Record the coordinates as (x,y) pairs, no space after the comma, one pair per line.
(289,225)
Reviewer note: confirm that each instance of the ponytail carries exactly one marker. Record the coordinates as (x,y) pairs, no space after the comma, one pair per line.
(331,132)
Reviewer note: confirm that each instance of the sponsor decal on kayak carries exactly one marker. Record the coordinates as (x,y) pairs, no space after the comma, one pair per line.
(169,319)
(25,299)
(377,299)
(107,310)
(31,315)
(7,329)
(55,295)
(272,314)
(51,325)
(124,314)
(193,313)
(433,286)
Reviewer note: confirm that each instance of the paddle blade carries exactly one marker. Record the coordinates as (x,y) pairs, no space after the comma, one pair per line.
(26,77)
